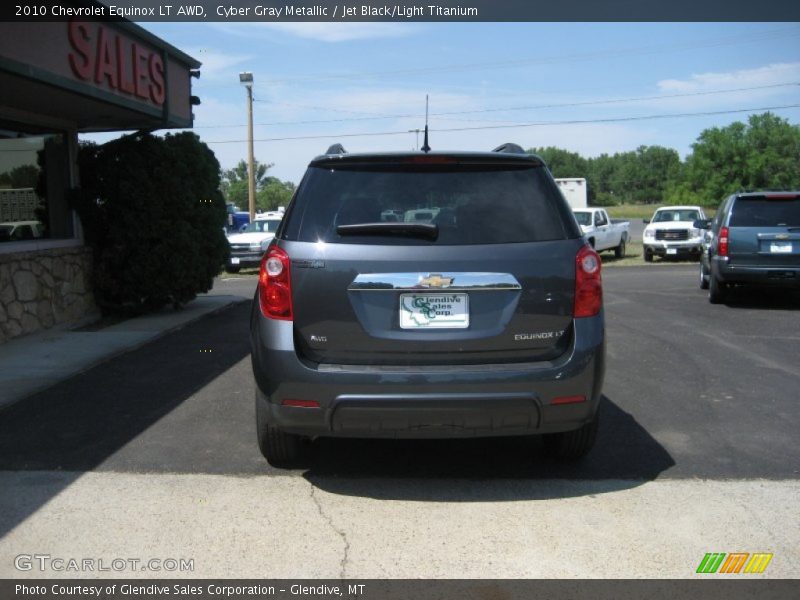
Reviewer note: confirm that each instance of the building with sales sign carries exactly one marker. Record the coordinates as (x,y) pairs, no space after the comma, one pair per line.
(58,80)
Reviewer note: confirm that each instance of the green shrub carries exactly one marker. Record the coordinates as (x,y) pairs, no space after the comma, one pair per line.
(152,210)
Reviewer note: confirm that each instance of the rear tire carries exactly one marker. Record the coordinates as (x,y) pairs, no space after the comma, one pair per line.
(717,291)
(572,445)
(619,251)
(703,277)
(281,449)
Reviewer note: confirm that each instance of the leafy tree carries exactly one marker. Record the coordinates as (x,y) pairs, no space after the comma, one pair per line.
(24,176)
(601,173)
(762,154)
(274,193)
(234,184)
(152,211)
(562,163)
(645,175)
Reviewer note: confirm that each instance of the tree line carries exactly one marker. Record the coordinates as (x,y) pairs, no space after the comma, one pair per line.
(271,192)
(762,154)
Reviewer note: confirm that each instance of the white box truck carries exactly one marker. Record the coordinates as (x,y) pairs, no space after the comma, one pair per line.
(574,190)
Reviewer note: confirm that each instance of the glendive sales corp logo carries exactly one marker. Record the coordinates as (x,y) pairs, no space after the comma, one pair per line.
(735,563)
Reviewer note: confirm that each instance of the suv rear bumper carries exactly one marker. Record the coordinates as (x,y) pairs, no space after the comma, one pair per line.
(778,276)
(427,402)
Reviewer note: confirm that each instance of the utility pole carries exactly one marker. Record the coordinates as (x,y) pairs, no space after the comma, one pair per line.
(246,79)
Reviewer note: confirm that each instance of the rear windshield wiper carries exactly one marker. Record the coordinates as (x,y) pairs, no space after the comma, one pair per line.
(423,230)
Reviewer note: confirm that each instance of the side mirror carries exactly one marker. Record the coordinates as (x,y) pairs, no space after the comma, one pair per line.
(701,224)
(646,221)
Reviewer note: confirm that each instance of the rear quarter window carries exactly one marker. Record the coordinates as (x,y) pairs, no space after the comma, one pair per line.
(486,205)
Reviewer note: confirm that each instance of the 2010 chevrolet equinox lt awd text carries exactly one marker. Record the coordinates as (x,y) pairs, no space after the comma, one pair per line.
(428,295)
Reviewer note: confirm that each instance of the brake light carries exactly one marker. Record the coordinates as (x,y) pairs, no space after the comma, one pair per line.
(429,159)
(588,286)
(275,285)
(722,243)
(781,196)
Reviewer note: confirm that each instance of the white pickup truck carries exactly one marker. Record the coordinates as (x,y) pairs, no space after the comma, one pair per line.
(602,232)
(671,233)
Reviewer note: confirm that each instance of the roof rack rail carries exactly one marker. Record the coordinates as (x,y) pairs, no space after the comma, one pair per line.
(510,148)
(336,149)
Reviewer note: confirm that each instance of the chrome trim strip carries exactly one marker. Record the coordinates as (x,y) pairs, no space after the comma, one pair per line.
(423,282)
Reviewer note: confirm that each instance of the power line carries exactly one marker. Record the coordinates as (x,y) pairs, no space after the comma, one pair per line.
(516,125)
(511,108)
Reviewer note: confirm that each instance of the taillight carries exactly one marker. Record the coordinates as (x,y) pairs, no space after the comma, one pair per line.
(722,242)
(275,285)
(588,287)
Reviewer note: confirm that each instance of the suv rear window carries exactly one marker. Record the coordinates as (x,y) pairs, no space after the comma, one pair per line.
(470,204)
(763,211)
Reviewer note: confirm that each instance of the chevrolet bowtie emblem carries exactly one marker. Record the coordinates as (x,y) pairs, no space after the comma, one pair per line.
(435,280)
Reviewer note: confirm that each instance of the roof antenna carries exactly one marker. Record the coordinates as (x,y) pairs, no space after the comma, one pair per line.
(425,147)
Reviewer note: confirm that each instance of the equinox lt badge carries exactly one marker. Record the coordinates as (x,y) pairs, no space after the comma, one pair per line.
(544,335)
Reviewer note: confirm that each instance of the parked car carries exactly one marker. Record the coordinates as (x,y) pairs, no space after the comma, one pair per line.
(17,231)
(483,320)
(671,233)
(603,232)
(754,240)
(248,247)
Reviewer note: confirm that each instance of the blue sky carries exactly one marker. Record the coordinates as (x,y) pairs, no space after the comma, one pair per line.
(351,75)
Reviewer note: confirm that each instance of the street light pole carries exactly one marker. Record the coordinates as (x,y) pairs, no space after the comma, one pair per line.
(246,79)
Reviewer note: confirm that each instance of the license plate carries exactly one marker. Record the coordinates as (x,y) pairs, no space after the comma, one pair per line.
(434,311)
(672,251)
(234,260)
(780,247)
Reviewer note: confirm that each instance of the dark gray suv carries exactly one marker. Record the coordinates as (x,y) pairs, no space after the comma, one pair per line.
(754,240)
(428,295)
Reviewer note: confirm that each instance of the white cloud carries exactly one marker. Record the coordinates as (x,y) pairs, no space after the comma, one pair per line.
(768,75)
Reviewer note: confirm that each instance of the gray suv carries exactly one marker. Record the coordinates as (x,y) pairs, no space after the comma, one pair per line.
(428,295)
(754,240)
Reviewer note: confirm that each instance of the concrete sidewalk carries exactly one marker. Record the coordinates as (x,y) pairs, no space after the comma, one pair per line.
(36,362)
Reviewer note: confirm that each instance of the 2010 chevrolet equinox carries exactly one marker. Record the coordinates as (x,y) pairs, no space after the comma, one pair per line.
(420,295)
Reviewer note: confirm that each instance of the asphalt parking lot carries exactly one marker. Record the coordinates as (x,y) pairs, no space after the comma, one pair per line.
(699,422)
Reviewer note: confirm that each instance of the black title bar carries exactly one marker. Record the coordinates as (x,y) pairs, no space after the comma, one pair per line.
(403,11)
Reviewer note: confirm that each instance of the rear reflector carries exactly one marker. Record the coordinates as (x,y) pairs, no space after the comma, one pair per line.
(568,400)
(301,403)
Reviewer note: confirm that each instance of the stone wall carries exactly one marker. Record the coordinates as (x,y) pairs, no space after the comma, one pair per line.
(45,288)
